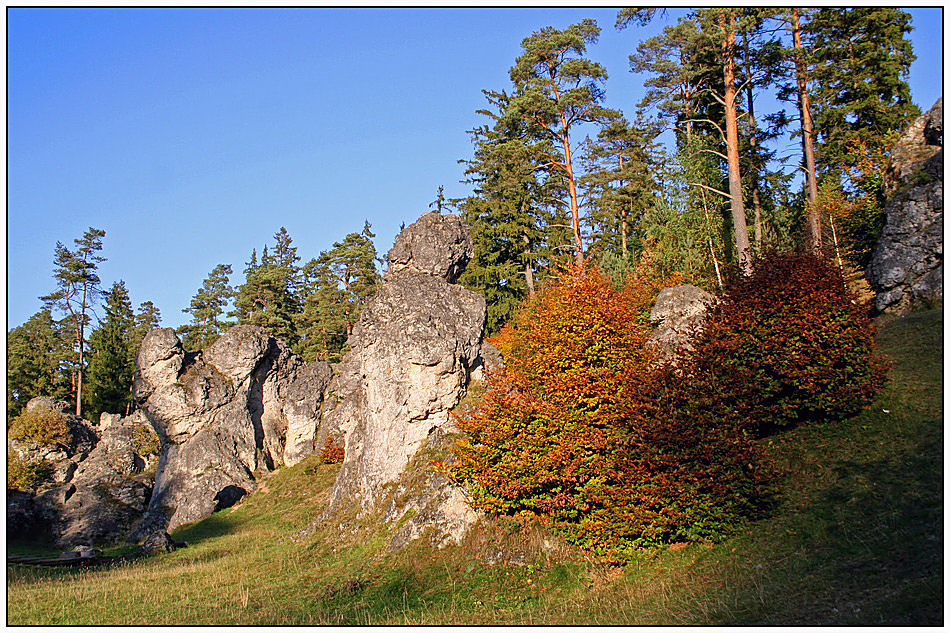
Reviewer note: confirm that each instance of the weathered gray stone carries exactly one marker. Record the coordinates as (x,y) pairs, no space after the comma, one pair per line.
(678,317)
(41,402)
(103,498)
(245,404)
(409,362)
(435,244)
(62,456)
(425,502)
(906,265)
(489,361)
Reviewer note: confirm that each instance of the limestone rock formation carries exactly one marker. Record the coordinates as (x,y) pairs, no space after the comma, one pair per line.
(409,362)
(678,316)
(246,403)
(62,456)
(101,485)
(106,498)
(906,266)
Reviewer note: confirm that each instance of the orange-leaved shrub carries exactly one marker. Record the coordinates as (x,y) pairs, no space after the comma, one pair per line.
(579,431)
(785,345)
(332,452)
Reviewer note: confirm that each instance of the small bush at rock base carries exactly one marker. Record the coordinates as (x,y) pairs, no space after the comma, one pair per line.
(332,452)
(786,344)
(42,425)
(145,440)
(579,432)
(25,475)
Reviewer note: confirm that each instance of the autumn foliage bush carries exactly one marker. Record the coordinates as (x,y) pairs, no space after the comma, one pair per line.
(42,425)
(785,345)
(25,474)
(332,452)
(578,430)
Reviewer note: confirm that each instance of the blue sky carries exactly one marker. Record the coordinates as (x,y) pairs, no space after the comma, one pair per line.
(192,135)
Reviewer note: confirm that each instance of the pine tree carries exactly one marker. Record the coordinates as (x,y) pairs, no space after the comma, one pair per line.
(514,215)
(861,61)
(555,90)
(77,292)
(207,308)
(337,285)
(36,352)
(148,318)
(268,297)
(619,183)
(112,357)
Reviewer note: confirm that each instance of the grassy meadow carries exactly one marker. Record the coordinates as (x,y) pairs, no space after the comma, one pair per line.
(856,539)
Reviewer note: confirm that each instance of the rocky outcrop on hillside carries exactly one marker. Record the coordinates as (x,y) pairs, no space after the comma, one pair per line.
(409,362)
(677,316)
(906,266)
(101,481)
(106,498)
(245,404)
(62,456)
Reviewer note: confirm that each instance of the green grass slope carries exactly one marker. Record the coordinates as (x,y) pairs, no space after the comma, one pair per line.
(856,539)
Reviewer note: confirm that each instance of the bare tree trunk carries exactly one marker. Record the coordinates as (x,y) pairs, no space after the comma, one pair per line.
(572,192)
(624,213)
(756,203)
(528,272)
(758,217)
(808,146)
(727,23)
(712,251)
(569,170)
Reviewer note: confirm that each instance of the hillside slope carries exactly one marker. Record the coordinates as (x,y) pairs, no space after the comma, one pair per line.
(856,539)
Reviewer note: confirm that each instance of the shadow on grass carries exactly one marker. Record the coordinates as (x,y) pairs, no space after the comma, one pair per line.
(865,548)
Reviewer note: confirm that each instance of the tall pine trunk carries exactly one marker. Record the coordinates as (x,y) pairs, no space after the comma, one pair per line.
(808,146)
(569,170)
(756,200)
(624,214)
(727,23)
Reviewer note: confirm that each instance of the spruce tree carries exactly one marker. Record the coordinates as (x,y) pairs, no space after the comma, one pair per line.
(620,183)
(147,318)
(36,352)
(517,225)
(337,284)
(268,297)
(207,308)
(112,357)
(861,58)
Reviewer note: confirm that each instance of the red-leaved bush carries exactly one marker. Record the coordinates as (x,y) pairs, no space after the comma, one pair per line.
(332,452)
(785,345)
(577,430)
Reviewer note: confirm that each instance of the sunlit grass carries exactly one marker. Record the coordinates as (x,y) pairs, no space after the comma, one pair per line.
(857,539)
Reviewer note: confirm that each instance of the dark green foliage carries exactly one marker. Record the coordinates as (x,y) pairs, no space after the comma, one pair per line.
(514,226)
(268,296)
(37,352)
(148,318)
(620,183)
(112,356)
(77,291)
(860,61)
(335,287)
(207,308)
(555,89)
(785,346)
